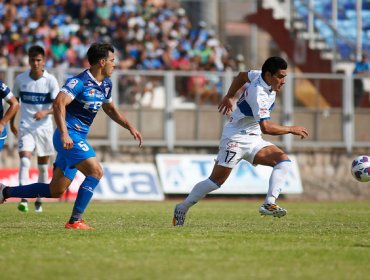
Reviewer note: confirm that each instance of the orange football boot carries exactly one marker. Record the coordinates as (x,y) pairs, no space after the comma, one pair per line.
(79,224)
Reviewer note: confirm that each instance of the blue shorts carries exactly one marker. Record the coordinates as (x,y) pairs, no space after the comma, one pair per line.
(2,139)
(66,159)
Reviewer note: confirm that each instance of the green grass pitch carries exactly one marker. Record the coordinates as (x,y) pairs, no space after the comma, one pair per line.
(222,239)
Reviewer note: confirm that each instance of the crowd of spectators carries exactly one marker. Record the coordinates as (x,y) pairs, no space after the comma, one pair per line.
(146,34)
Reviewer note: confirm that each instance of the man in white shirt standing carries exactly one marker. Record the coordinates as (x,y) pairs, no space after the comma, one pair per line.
(36,89)
(242,137)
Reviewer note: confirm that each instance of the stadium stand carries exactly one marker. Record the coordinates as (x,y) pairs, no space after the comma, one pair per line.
(302,47)
(346,24)
(148,35)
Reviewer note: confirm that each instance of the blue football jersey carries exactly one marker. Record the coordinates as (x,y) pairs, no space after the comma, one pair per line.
(88,96)
(4,92)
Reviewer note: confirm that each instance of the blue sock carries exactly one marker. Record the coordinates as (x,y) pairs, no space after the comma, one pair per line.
(83,198)
(28,191)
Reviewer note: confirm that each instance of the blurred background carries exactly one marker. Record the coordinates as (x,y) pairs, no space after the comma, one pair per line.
(176,59)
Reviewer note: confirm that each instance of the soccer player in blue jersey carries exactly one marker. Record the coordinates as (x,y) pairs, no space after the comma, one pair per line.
(75,108)
(7,95)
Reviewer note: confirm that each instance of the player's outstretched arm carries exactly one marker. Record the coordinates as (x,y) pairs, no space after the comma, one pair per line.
(226,105)
(116,116)
(271,128)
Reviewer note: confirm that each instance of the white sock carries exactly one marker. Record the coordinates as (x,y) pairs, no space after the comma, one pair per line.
(24,171)
(277,180)
(199,191)
(43,176)
(43,173)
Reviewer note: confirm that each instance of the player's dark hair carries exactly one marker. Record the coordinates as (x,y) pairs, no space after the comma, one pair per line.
(98,51)
(35,50)
(274,64)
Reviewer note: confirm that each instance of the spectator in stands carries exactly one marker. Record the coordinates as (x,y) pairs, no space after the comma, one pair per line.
(3,58)
(182,63)
(58,50)
(241,137)
(103,11)
(46,22)
(7,95)
(197,87)
(240,63)
(75,108)
(362,69)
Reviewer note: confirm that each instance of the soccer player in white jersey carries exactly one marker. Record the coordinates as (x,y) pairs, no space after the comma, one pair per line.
(36,89)
(75,108)
(7,95)
(241,137)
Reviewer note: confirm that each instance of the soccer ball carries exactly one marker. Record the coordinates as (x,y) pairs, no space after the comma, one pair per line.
(361,168)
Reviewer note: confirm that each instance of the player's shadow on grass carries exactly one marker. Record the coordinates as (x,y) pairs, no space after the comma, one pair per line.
(362,245)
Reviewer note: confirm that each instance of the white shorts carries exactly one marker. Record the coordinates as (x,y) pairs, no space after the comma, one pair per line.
(39,140)
(238,147)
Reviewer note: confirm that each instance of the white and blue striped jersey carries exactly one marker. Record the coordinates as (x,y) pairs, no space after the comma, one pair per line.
(88,95)
(254,105)
(34,96)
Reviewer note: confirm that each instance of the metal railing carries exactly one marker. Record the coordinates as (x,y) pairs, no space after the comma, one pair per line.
(178,109)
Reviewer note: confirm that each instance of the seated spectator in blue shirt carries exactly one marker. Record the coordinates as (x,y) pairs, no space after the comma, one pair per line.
(362,68)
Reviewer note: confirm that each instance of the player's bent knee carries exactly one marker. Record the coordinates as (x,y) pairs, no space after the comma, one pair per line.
(56,193)
(218,180)
(95,171)
(58,188)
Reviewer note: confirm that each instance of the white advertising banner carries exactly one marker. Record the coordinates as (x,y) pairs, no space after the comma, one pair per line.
(129,182)
(125,182)
(179,174)
(120,182)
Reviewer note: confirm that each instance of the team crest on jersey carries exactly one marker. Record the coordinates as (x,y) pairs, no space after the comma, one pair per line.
(72,83)
(91,92)
(264,103)
(99,94)
(232,145)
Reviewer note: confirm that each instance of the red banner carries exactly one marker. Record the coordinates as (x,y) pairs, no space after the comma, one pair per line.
(10,177)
